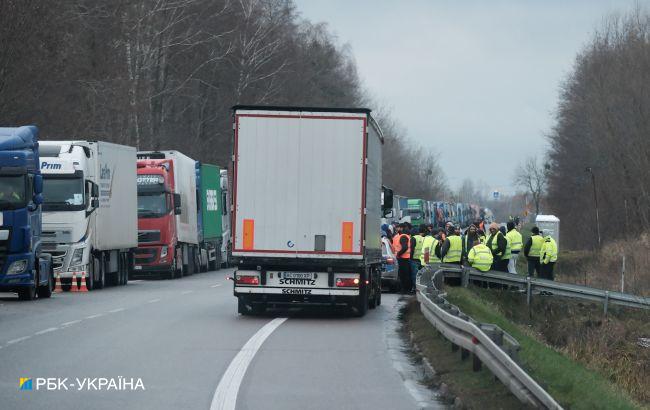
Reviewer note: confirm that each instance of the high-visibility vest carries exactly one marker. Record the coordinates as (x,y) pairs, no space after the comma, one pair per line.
(549,250)
(480,257)
(536,247)
(407,254)
(455,250)
(508,253)
(429,245)
(419,241)
(515,240)
(396,243)
(495,240)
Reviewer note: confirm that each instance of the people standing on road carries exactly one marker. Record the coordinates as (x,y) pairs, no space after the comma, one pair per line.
(516,244)
(417,242)
(548,257)
(480,256)
(497,243)
(532,251)
(505,260)
(471,235)
(403,247)
(451,250)
(429,250)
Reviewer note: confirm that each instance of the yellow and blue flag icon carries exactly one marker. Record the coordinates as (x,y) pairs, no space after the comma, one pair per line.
(25,383)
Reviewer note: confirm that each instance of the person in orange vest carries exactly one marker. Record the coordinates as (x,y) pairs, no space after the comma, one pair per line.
(403,248)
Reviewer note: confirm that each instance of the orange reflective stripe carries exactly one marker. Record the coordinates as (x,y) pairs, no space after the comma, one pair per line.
(249,234)
(347,235)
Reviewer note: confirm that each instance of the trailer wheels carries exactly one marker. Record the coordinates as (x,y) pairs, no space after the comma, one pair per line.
(361,305)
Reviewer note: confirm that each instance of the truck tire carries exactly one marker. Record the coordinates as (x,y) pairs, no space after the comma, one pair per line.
(28,293)
(45,292)
(360,306)
(98,265)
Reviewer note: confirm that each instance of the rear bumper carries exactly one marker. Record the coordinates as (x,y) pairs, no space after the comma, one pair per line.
(282,300)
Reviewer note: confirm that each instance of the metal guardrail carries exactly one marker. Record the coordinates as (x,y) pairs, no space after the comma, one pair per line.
(482,340)
(536,286)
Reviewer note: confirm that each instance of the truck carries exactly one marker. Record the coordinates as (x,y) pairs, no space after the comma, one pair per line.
(418,211)
(25,268)
(89,210)
(306,208)
(168,237)
(209,215)
(226,245)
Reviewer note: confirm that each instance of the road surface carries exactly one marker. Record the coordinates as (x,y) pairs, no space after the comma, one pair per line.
(171,344)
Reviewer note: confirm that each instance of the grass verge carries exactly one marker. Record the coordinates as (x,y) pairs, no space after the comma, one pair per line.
(572,383)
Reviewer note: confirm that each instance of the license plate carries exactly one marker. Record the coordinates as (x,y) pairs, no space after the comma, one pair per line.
(297,275)
(136,267)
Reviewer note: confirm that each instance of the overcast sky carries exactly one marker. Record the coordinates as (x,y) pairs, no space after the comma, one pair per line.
(477,80)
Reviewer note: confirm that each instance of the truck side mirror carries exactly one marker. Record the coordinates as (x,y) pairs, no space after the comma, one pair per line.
(95,190)
(38,199)
(177,204)
(387,200)
(94,203)
(38,186)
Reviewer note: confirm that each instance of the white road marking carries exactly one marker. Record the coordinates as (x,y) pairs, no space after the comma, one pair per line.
(154,301)
(20,339)
(225,397)
(116,310)
(94,316)
(136,281)
(48,330)
(185,292)
(216,286)
(70,323)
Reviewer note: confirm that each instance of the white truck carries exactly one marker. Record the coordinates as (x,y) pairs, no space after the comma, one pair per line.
(89,209)
(306,208)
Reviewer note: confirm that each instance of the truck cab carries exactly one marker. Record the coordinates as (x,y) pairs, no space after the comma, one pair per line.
(69,201)
(158,206)
(24,268)
(417,211)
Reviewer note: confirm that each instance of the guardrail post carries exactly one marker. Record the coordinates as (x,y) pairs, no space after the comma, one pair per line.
(476,363)
(606,301)
(465,277)
(454,347)
(464,354)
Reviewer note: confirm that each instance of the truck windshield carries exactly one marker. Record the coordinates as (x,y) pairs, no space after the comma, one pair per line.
(63,193)
(415,213)
(12,191)
(152,205)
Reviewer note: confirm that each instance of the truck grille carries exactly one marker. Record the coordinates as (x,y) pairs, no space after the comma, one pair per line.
(145,255)
(57,259)
(148,236)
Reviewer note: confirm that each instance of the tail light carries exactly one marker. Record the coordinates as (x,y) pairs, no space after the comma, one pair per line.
(247,280)
(347,282)
(390,261)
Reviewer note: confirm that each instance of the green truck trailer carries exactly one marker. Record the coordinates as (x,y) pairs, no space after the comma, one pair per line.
(209,215)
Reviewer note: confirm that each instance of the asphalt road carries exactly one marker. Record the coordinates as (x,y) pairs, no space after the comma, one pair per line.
(184,339)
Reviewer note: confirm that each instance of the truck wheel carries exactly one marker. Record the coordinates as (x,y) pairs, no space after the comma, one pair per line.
(98,265)
(361,304)
(46,291)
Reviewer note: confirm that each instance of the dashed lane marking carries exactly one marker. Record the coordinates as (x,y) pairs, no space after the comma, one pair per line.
(216,286)
(116,310)
(48,330)
(153,301)
(66,324)
(185,292)
(94,316)
(20,339)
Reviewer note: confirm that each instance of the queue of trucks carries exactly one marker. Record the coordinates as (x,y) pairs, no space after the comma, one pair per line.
(103,212)
(437,213)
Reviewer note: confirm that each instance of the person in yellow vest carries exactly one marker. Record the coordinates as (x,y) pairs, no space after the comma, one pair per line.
(533,250)
(480,256)
(516,243)
(417,242)
(429,246)
(451,250)
(547,258)
(498,244)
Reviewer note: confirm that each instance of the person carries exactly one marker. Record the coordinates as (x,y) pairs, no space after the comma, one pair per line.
(417,241)
(480,256)
(497,243)
(548,257)
(515,246)
(505,260)
(429,246)
(469,238)
(451,250)
(396,238)
(532,251)
(404,258)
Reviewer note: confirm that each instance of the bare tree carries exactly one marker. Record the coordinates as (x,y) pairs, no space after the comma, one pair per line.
(532,176)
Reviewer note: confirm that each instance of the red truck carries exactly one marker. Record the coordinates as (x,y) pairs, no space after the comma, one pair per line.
(167,215)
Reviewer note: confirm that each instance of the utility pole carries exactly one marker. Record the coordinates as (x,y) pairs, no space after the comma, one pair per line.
(593,182)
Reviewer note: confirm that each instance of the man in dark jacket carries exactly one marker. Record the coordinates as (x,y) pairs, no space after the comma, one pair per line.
(533,250)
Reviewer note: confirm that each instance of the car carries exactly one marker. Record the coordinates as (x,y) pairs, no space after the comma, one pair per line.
(389,276)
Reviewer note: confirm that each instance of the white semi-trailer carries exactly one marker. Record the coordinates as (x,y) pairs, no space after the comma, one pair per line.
(89,209)
(306,208)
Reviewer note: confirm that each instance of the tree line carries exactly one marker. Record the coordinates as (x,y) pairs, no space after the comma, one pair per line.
(160,74)
(602,136)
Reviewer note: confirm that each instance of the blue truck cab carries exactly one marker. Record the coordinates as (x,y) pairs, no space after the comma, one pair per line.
(24,269)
